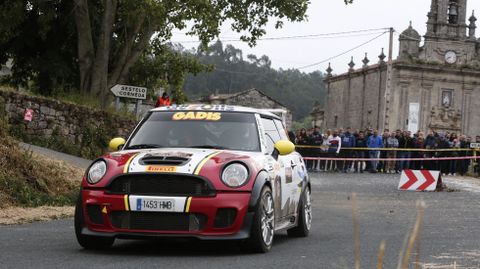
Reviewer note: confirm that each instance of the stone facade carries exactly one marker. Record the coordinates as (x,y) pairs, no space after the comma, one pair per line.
(249,98)
(434,86)
(69,120)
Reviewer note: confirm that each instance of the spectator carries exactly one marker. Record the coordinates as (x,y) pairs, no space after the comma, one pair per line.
(324,152)
(391,143)
(317,141)
(418,143)
(403,144)
(348,142)
(462,165)
(163,101)
(302,140)
(291,136)
(374,142)
(454,143)
(383,153)
(443,164)
(310,150)
(361,143)
(334,146)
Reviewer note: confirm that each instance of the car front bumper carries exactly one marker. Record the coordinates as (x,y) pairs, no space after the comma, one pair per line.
(206,218)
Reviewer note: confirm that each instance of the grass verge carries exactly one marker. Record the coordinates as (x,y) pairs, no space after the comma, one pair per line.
(32,180)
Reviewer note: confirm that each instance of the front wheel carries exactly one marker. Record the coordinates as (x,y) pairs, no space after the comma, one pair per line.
(304,216)
(88,241)
(263,229)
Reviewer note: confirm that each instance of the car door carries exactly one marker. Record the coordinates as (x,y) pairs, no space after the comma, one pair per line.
(285,197)
(294,169)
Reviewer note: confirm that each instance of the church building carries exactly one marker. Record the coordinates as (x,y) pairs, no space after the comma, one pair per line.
(432,85)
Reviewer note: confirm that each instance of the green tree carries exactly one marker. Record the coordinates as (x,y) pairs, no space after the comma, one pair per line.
(96,43)
(105,61)
(164,66)
(40,38)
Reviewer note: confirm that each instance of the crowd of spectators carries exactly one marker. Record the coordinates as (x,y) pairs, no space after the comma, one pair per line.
(369,145)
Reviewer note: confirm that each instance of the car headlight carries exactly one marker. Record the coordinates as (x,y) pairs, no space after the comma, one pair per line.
(235,175)
(96,172)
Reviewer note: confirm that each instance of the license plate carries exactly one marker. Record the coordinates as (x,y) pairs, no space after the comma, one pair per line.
(155,204)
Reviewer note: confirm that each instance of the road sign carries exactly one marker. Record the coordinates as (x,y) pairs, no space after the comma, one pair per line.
(475,145)
(420,180)
(127,91)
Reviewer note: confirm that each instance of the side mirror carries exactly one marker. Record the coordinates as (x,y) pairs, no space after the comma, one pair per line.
(284,147)
(116,143)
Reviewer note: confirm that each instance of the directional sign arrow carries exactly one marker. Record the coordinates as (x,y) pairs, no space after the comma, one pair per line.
(411,179)
(127,91)
(429,180)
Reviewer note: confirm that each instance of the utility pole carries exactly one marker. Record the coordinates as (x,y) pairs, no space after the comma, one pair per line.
(389,81)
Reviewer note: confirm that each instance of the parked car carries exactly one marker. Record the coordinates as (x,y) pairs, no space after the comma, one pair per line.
(204,171)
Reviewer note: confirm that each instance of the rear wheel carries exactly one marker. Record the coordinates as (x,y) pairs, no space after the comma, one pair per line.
(88,241)
(304,216)
(263,229)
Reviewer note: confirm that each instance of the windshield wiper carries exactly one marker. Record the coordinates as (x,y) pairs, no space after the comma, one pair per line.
(209,147)
(144,146)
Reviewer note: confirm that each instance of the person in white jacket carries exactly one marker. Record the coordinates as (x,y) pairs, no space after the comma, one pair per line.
(334,145)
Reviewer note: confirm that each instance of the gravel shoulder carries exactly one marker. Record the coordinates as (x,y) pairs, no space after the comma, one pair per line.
(21,215)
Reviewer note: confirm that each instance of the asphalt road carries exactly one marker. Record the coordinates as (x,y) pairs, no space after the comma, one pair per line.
(73,160)
(451,234)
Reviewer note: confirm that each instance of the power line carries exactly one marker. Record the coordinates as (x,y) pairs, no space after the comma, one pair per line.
(309,36)
(343,53)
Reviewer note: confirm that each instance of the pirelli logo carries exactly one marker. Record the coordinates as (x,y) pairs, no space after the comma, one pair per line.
(161,169)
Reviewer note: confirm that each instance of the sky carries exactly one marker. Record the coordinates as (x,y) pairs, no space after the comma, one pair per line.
(333,16)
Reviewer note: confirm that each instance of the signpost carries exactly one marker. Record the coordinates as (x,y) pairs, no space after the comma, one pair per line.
(132,92)
(475,145)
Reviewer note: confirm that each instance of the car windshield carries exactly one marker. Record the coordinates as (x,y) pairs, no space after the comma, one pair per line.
(197,129)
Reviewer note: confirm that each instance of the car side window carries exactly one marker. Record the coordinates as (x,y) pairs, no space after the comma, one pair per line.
(271,133)
(281,130)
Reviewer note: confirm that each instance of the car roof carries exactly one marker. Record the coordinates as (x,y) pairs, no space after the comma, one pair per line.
(219,107)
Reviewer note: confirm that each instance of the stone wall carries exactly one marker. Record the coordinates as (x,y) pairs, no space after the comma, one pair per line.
(78,125)
(353,98)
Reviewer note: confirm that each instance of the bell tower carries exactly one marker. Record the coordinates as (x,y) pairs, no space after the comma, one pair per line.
(447,20)
(449,39)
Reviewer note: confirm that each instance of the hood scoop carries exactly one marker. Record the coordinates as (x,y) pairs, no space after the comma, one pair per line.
(163,160)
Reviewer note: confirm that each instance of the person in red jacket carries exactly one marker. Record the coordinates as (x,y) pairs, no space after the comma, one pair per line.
(163,101)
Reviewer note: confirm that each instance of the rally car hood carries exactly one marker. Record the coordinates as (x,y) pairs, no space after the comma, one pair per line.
(206,163)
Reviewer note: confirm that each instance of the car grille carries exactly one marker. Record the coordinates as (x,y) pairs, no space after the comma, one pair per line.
(157,221)
(158,160)
(160,184)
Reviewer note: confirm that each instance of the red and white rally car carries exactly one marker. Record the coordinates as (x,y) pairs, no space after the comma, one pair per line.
(203,171)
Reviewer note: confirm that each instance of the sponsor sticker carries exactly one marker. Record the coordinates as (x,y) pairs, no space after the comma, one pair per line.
(200,115)
(208,107)
(161,169)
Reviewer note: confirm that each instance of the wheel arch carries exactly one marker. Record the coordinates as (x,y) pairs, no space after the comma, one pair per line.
(262,179)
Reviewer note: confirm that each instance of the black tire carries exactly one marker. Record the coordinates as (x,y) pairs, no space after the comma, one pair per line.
(256,242)
(88,241)
(302,229)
